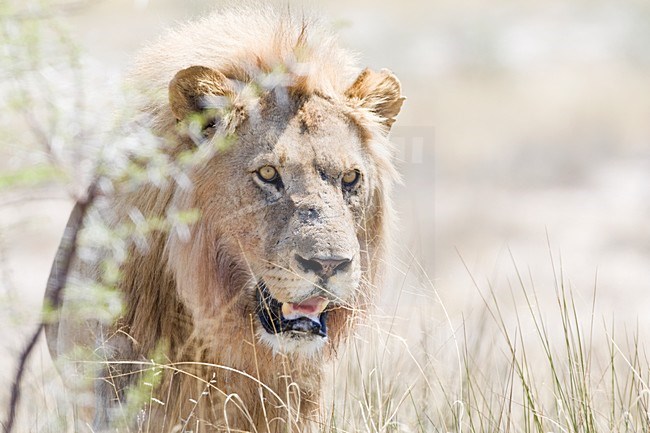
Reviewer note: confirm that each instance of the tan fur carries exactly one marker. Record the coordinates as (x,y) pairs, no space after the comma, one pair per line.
(287,93)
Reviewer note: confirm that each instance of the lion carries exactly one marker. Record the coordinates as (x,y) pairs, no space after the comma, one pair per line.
(248,305)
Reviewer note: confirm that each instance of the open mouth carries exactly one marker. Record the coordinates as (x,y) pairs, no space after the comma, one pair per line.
(305,318)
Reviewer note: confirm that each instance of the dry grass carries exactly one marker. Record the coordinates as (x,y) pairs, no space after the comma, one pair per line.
(510,366)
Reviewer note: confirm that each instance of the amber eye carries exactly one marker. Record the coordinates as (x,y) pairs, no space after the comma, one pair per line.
(350,178)
(268,173)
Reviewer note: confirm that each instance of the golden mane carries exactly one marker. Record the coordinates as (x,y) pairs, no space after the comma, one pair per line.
(246,44)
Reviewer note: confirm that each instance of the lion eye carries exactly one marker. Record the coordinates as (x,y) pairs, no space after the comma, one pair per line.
(350,178)
(268,174)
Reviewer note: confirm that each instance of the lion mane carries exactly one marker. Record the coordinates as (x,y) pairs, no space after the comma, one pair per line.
(262,237)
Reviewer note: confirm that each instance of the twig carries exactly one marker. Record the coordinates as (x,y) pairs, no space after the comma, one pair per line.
(55,285)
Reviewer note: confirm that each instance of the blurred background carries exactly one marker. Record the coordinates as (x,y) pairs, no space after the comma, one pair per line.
(525,138)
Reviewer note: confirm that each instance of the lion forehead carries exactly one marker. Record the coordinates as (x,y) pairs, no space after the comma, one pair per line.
(317,134)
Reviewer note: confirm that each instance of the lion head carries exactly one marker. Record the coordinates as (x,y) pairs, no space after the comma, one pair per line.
(292,209)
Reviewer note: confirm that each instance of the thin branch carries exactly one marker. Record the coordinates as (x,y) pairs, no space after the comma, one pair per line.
(55,285)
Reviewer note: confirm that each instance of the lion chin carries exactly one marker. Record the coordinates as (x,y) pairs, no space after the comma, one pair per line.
(306,345)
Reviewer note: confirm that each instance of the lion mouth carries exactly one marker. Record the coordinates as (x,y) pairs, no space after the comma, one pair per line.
(305,318)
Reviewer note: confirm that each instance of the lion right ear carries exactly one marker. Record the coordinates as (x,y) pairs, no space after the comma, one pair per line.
(197,89)
(380,92)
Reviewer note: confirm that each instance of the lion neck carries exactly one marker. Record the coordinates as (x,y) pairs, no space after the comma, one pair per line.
(239,383)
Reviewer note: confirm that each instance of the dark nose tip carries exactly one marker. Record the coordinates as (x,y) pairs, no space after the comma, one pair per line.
(323,267)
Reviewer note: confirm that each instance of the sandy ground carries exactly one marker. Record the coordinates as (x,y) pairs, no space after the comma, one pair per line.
(522,123)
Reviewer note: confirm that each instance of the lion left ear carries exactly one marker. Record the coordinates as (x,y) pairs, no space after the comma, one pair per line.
(380,92)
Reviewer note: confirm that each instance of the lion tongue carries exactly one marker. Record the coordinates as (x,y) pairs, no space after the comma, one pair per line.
(311,308)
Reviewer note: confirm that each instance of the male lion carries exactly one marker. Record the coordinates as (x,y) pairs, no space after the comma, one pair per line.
(294,212)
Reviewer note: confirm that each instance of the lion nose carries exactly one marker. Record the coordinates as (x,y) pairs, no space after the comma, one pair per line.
(323,267)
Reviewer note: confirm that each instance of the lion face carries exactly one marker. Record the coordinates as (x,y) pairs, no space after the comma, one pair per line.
(306,183)
(286,211)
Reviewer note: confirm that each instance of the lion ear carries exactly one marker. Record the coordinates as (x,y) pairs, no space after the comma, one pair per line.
(196,89)
(380,92)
